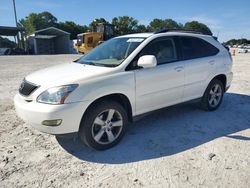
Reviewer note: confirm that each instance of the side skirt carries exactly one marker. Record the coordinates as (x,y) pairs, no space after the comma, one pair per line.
(138,117)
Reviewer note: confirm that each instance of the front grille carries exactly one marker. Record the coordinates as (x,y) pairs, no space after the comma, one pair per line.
(26,88)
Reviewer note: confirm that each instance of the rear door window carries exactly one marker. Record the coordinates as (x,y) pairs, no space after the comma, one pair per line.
(196,48)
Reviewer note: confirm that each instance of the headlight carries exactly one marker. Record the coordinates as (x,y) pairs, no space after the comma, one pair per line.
(56,95)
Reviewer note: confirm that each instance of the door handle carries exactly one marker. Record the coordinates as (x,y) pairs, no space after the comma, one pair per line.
(211,62)
(178,69)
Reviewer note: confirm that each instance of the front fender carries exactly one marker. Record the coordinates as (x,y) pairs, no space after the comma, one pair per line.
(117,83)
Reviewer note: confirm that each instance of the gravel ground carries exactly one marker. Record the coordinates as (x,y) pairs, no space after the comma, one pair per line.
(180,146)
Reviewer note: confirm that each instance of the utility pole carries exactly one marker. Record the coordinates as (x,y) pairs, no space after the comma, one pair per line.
(14,6)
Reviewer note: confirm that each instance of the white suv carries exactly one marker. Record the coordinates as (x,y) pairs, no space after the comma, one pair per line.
(98,94)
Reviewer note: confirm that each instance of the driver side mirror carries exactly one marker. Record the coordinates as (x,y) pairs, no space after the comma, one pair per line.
(147,61)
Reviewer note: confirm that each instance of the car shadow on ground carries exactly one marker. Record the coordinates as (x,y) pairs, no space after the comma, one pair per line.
(170,131)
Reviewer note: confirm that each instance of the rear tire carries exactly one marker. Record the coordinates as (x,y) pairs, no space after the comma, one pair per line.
(103,125)
(213,95)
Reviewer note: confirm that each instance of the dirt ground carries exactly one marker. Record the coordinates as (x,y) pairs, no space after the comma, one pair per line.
(180,146)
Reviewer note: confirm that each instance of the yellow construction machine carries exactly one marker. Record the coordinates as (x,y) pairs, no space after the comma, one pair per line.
(89,40)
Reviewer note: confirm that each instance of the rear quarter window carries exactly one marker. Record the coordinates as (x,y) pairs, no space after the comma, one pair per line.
(196,48)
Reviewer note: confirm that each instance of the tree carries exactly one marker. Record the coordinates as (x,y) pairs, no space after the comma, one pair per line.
(34,22)
(243,41)
(199,27)
(72,28)
(232,42)
(238,41)
(38,21)
(141,29)
(157,24)
(124,25)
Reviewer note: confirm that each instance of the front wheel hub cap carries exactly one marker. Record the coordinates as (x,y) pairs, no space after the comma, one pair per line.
(107,126)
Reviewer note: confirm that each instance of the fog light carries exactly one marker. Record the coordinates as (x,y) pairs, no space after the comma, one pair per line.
(55,122)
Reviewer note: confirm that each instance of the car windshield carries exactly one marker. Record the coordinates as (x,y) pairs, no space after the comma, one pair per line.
(112,52)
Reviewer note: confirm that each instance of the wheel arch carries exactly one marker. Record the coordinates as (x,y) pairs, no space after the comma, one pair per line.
(222,78)
(117,97)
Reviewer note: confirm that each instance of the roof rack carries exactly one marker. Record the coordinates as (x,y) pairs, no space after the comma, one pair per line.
(178,30)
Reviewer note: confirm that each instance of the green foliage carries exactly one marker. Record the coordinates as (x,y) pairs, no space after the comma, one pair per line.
(158,24)
(124,25)
(6,43)
(34,22)
(72,28)
(38,21)
(238,41)
(199,27)
(141,29)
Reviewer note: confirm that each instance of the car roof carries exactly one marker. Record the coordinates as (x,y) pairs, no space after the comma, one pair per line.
(170,33)
(139,35)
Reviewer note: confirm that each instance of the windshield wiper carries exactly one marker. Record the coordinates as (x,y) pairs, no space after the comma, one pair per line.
(96,64)
(86,63)
(109,65)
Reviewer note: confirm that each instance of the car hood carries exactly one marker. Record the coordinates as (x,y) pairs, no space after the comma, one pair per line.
(66,74)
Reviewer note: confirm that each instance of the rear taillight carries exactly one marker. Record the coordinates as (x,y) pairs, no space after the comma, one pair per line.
(228,50)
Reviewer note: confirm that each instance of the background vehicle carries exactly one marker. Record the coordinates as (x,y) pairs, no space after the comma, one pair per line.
(4,51)
(122,78)
(88,41)
(242,50)
(12,51)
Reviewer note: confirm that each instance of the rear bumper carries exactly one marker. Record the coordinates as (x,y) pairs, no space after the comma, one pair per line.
(35,113)
(229,80)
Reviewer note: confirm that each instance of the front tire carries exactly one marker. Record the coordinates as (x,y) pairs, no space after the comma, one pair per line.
(213,95)
(103,125)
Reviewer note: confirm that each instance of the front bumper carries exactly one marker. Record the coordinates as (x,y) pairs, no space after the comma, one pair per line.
(35,113)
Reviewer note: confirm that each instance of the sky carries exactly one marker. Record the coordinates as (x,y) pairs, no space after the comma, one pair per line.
(226,18)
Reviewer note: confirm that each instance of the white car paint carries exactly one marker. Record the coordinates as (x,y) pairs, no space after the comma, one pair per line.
(146,89)
(158,87)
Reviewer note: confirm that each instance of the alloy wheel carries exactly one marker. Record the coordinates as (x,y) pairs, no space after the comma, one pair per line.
(215,95)
(107,126)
